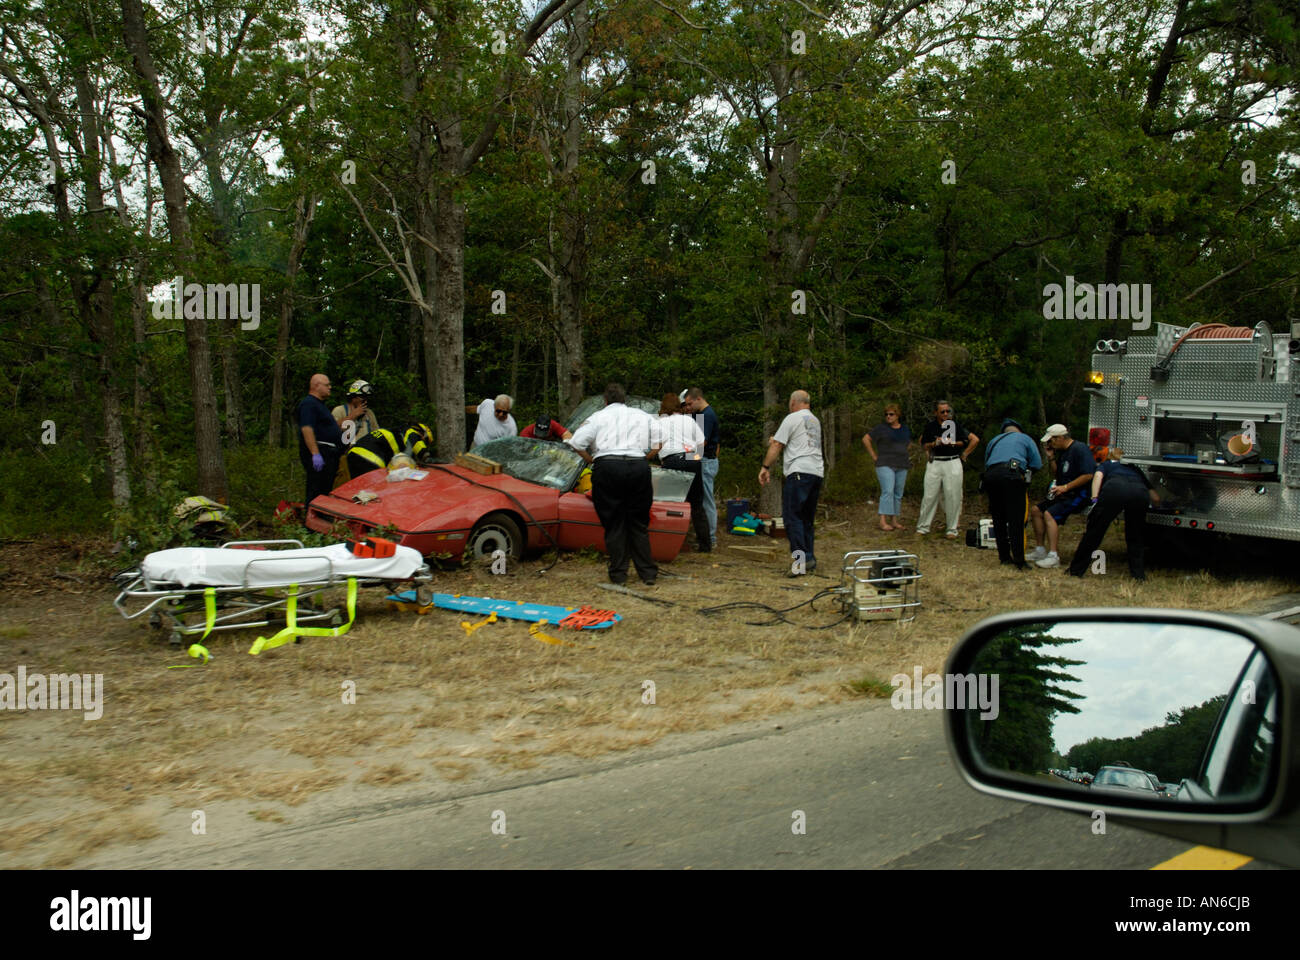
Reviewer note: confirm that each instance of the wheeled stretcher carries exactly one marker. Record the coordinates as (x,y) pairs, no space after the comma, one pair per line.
(198,590)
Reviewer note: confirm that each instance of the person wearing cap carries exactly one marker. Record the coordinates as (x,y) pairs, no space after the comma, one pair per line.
(1117,488)
(1009,462)
(1069,494)
(947,445)
(546,429)
(707,418)
(494,419)
(617,437)
(679,441)
(356,421)
(359,395)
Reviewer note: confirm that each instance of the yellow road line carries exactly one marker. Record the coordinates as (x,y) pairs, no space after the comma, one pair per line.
(1204,858)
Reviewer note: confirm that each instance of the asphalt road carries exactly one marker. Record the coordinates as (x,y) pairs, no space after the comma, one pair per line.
(875,787)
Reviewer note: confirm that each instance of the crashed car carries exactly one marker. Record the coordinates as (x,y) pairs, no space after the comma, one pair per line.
(532,503)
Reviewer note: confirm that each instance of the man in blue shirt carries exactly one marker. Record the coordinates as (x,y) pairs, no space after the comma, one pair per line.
(1074,469)
(1009,462)
(320,440)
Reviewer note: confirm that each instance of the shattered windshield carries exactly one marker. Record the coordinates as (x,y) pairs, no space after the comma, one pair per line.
(551,464)
(589,406)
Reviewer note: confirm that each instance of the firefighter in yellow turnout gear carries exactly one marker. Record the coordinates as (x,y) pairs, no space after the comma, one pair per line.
(373,451)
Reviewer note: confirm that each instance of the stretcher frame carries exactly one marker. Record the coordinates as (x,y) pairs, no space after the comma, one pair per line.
(170,605)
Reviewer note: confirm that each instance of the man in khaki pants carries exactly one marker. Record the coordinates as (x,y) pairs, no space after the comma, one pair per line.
(947,445)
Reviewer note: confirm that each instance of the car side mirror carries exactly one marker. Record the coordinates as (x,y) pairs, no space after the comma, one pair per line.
(1169,717)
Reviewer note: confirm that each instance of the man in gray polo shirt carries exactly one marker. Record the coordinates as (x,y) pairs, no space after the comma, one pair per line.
(799,441)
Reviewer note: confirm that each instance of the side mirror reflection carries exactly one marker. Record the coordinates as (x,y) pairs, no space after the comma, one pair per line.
(1138,713)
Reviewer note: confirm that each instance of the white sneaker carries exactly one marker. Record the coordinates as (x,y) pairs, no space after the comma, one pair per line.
(1037,553)
(1051,560)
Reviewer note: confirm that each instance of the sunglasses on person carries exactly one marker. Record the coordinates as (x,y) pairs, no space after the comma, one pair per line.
(502,413)
(945,413)
(890,413)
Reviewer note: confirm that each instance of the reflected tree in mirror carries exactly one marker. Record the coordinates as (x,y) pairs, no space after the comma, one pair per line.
(1031,694)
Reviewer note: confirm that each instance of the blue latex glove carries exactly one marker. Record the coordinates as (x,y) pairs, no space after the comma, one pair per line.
(317,462)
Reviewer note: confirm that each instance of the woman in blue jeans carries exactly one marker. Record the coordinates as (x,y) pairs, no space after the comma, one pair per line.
(889,451)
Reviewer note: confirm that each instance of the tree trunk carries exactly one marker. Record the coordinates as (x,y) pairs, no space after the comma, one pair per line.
(448,355)
(423,331)
(211,463)
(829,436)
(573,229)
(227,329)
(414,338)
(304,211)
(514,365)
(98,305)
(141,414)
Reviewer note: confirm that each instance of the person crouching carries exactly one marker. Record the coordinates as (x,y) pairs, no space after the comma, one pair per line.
(1117,488)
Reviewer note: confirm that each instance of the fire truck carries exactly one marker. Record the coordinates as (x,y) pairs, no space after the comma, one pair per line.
(1211,413)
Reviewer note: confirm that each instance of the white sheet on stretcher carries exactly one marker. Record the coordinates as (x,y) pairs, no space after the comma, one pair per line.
(211,567)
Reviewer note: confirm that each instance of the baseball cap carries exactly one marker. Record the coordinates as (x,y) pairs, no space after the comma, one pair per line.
(681,397)
(1055,430)
(1009,422)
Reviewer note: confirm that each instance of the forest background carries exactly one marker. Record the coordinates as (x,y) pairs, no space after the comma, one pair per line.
(457,199)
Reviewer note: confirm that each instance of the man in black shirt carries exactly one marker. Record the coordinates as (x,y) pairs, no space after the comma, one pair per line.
(320,441)
(708,421)
(947,444)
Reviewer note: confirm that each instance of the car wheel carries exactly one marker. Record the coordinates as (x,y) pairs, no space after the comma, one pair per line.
(496,531)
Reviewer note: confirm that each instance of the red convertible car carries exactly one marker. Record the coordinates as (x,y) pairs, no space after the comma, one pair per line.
(531,504)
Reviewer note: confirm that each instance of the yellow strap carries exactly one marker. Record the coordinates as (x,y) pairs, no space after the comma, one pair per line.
(210,608)
(469,628)
(292,630)
(365,454)
(196,651)
(535,630)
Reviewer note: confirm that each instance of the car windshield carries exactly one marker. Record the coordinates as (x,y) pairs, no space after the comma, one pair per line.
(592,404)
(1116,777)
(554,465)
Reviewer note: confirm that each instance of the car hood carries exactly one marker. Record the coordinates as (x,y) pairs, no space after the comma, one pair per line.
(412,505)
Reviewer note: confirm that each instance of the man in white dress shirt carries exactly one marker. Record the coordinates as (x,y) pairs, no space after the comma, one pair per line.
(618,437)
(494,419)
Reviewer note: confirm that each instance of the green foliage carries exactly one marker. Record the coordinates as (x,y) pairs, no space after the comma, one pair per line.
(918,286)
(50,490)
(871,687)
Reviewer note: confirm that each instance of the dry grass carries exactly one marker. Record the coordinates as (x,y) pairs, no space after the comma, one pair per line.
(276,729)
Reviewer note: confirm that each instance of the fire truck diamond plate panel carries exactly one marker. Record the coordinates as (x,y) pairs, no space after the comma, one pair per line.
(1185,414)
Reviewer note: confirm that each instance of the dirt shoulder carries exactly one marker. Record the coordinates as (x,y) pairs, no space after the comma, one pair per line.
(260,742)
